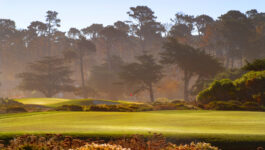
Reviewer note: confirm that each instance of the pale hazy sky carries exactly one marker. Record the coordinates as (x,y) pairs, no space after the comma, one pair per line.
(82,13)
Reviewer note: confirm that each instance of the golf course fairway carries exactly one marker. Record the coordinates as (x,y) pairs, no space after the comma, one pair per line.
(231,126)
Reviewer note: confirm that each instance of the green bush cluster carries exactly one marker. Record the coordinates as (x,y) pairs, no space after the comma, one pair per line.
(223,90)
(16,109)
(69,108)
(249,87)
(174,105)
(120,107)
(234,105)
(11,106)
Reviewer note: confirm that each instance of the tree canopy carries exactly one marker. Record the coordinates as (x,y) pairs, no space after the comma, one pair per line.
(49,76)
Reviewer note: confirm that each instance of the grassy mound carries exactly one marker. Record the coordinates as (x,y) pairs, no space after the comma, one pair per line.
(55,102)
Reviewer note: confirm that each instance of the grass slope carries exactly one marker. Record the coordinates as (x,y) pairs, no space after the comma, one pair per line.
(221,124)
(54,102)
(42,101)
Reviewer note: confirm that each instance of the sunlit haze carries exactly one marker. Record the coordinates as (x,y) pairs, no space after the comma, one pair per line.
(82,13)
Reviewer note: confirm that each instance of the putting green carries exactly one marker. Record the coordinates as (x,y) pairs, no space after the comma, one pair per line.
(42,101)
(54,102)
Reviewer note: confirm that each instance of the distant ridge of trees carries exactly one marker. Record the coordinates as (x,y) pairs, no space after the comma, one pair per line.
(227,41)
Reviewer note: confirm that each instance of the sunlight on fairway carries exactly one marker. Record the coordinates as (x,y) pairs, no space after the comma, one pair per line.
(42,101)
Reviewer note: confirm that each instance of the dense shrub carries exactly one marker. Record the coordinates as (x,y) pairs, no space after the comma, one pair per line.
(224,105)
(220,90)
(121,107)
(5,102)
(16,109)
(69,108)
(256,65)
(175,105)
(252,106)
(251,85)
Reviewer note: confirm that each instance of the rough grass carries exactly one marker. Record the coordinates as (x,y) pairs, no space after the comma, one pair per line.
(55,102)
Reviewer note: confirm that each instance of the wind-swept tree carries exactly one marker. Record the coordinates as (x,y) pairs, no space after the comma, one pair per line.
(256,65)
(201,22)
(108,82)
(182,28)
(236,30)
(52,22)
(48,76)
(146,72)
(93,31)
(111,36)
(146,28)
(81,48)
(192,61)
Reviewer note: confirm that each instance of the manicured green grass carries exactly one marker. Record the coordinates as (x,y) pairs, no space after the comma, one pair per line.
(234,125)
(226,129)
(42,101)
(54,102)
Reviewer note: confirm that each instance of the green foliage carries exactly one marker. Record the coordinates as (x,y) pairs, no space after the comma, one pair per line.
(11,106)
(105,78)
(251,86)
(256,65)
(223,90)
(69,108)
(192,61)
(174,105)
(121,107)
(49,76)
(234,105)
(16,109)
(224,105)
(231,74)
(252,106)
(143,73)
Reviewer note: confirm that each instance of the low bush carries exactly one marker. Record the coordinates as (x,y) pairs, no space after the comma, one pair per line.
(220,90)
(251,86)
(16,109)
(120,107)
(174,105)
(234,105)
(248,88)
(224,105)
(69,108)
(252,106)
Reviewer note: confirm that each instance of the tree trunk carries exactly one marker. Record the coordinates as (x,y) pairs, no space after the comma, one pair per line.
(232,63)
(186,84)
(151,92)
(82,75)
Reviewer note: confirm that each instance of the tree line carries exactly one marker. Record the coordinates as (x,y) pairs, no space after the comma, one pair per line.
(127,57)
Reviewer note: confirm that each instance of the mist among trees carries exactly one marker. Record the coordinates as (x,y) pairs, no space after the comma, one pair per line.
(138,59)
